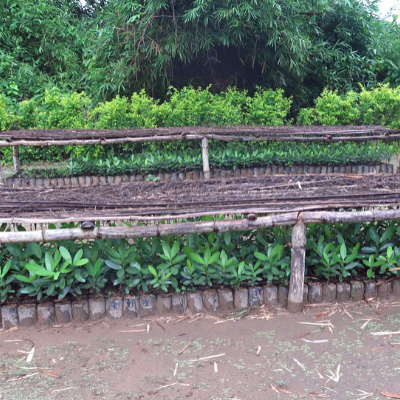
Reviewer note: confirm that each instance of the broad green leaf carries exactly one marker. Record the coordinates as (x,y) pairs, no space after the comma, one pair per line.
(113,265)
(196,258)
(153,271)
(65,254)
(343,251)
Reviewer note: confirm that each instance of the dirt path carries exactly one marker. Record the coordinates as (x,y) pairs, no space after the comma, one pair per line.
(101,362)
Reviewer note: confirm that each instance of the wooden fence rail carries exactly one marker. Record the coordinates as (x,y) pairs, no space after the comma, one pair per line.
(297,220)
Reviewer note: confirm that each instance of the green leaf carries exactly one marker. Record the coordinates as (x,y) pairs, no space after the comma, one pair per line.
(38,270)
(174,250)
(153,271)
(196,258)
(343,251)
(23,278)
(113,265)
(78,276)
(65,254)
(261,256)
(49,261)
(373,235)
(77,257)
(35,249)
(166,250)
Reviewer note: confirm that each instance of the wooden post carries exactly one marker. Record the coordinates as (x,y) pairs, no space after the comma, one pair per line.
(295,300)
(206,164)
(17,166)
(2,183)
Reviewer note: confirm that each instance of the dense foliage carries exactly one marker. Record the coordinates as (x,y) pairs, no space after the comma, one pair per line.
(334,252)
(110,47)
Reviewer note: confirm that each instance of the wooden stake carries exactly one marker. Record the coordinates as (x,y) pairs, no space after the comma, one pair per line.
(17,165)
(2,183)
(396,168)
(206,164)
(295,300)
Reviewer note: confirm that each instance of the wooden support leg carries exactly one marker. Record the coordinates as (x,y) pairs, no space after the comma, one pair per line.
(396,167)
(295,299)
(2,183)
(206,164)
(17,166)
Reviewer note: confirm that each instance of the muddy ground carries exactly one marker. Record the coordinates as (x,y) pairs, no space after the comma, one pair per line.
(264,356)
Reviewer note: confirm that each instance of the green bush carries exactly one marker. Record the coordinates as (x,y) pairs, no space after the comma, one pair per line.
(3,114)
(56,110)
(380,106)
(331,109)
(195,107)
(267,107)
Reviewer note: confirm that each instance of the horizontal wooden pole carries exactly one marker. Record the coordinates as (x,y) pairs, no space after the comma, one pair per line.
(48,235)
(247,138)
(332,217)
(139,218)
(185,228)
(81,142)
(31,134)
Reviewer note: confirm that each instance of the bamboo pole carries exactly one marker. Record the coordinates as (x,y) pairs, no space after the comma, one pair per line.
(16,161)
(51,134)
(247,138)
(298,261)
(291,218)
(206,164)
(141,218)
(2,183)
(332,217)
(396,168)
(47,235)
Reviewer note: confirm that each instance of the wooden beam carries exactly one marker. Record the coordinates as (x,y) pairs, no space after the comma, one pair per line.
(298,264)
(48,235)
(332,217)
(16,161)
(2,182)
(206,163)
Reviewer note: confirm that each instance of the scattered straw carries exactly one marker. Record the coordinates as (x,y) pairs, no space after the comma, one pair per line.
(63,390)
(185,348)
(299,364)
(207,358)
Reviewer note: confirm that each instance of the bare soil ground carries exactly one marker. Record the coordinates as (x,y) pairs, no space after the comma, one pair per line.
(264,356)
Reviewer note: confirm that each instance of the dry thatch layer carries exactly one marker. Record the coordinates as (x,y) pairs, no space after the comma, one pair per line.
(273,194)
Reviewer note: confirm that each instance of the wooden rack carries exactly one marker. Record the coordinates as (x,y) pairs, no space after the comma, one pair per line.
(76,137)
